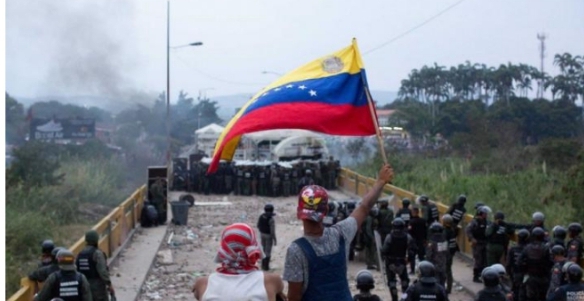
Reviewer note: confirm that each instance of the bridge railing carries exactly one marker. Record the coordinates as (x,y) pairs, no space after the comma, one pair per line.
(114,230)
(357,184)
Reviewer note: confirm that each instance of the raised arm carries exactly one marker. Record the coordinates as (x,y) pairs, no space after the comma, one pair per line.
(385,176)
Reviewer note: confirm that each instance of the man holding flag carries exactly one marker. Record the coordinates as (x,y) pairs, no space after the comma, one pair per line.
(328,95)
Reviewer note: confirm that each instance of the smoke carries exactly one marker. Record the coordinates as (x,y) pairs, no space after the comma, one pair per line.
(88,45)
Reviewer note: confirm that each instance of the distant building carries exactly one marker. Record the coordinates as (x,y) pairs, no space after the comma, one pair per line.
(383,117)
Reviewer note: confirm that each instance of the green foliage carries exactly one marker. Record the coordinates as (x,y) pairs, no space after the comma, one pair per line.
(560,153)
(518,193)
(15,125)
(36,164)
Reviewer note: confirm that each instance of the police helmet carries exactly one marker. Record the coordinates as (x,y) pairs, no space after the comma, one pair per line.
(383,203)
(269,208)
(426,272)
(423,199)
(574,273)
(523,235)
(351,206)
(478,205)
(56,251)
(575,228)
(538,234)
(500,215)
(398,224)
(365,280)
(558,250)
(490,277)
(436,227)
(484,210)
(499,268)
(560,232)
(406,203)
(461,199)
(538,217)
(447,219)
(374,212)
(47,246)
(566,266)
(308,172)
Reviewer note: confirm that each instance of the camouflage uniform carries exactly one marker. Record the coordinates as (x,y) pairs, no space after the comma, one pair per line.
(92,262)
(450,234)
(52,284)
(476,229)
(535,260)
(557,277)
(157,191)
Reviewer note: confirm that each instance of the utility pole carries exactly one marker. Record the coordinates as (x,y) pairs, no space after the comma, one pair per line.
(541,37)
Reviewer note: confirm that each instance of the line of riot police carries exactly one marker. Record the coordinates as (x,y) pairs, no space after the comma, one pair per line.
(261,178)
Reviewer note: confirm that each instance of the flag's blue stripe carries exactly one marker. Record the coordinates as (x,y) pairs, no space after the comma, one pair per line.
(341,89)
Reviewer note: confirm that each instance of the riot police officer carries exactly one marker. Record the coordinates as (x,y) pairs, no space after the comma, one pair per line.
(239,180)
(572,291)
(559,239)
(365,283)
(67,283)
(394,250)
(368,238)
(92,263)
(498,234)
(575,245)
(492,290)
(429,210)
(450,233)
(41,274)
(536,262)
(515,272)
(405,213)
(267,227)
(437,251)
(286,183)
(457,210)
(418,229)
(557,275)
(47,247)
(476,233)
(426,288)
(384,219)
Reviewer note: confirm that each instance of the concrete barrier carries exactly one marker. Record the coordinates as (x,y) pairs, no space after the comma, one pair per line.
(114,230)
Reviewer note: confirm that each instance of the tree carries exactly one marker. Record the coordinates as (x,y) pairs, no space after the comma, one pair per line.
(35,164)
(15,123)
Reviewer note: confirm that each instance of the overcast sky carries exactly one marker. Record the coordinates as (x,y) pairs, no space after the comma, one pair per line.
(114,48)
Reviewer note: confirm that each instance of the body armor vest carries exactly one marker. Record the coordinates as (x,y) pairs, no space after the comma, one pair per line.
(264,223)
(85,263)
(398,246)
(68,286)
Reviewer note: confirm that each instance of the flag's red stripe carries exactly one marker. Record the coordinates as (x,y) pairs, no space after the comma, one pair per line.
(345,120)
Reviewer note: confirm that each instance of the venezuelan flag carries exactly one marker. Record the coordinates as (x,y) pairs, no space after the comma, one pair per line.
(327,95)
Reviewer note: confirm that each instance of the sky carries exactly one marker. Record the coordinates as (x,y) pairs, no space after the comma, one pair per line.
(117,48)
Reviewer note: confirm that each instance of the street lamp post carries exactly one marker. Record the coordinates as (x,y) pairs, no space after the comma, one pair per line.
(168,79)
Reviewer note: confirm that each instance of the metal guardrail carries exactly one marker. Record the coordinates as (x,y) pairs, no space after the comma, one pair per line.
(113,229)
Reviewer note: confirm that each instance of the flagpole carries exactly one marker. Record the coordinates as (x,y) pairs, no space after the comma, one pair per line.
(376,124)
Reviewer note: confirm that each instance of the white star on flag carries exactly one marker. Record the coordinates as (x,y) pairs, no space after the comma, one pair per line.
(277,89)
(289,86)
(265,94)
(302,87)
(312,93)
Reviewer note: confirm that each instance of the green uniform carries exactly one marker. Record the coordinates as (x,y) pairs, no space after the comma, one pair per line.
(100,280)
(51,287)
(369,241)
(497,240)
(41,274)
